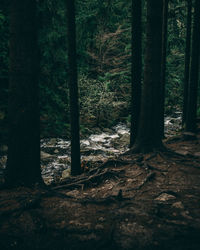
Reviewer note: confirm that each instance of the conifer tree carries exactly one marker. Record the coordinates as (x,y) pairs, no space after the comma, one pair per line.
(149,137)
(136,68)
(23,165)
(73,89)
(163,63)
(194,72)
(187,59)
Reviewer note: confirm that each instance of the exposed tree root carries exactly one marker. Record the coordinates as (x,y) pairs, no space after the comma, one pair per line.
(91,180)
(148,178)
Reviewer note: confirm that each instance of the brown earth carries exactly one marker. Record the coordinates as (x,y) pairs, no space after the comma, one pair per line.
(134,202)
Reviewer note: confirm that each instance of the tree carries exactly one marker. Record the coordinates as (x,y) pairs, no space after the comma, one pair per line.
(23,165)
(187,59)
(163,63)
(73,90)
(194,72)
(136,68)
(149,137)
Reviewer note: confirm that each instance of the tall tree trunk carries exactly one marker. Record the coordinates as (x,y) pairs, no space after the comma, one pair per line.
(194,72)
(73,90)
(163,63)
(23,165)
(187,59)
(149,137)
(136,68)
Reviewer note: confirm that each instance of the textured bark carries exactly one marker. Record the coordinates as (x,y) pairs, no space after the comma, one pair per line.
(136,67)
(187,59)
(73,90)
(194,72)
(163,64)
(23,165)
(149,137)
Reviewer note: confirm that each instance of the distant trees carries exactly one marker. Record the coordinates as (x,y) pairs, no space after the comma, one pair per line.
(149,137)
(23,165)
(136,67)
(73,89)
(191,113)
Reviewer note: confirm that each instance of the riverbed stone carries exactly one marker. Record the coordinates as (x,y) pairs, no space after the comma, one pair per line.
(66,173)
(165,197)
(45,155)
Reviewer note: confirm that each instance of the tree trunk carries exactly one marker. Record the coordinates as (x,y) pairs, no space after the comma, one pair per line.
(23,165)
(194,72)
(187,59)
(136,68)
(149,137)
(73,90)
(163,64)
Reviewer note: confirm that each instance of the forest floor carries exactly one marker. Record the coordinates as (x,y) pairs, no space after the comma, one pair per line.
(135,202)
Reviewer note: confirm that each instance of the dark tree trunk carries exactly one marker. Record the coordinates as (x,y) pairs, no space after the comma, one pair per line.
(149,137)
(194,72)
(187,59)
(163,63)
(73,90)
(23,165)
(136,67)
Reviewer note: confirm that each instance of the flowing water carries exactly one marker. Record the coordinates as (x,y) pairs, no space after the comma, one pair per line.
(55,152)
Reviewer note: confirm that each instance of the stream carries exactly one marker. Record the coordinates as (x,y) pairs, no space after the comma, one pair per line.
(55,152)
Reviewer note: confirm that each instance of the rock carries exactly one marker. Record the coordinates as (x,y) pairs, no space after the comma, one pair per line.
(66,173)
(48,180)
(165,197)
(122,141)
(178,205)
(182,152)
(53,141)
(3,161)
(45,156)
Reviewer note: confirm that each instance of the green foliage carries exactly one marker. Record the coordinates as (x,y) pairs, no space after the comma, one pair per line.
(104,50)
(175,54)
(53,77)
(98,105)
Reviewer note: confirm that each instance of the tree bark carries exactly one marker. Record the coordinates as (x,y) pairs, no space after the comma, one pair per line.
(194,72)
(187,59)
(73,89)
(136,68)
(163,65)
(149,137)
(23,165)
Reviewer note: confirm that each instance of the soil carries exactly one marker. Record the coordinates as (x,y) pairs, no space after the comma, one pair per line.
(138,201)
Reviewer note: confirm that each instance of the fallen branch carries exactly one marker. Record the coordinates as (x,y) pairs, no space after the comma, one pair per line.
(91,180)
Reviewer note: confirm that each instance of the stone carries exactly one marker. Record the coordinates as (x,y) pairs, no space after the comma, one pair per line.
(182,152)
(45,155)
(165,197)
(178,205)
(3,161)
(66,173)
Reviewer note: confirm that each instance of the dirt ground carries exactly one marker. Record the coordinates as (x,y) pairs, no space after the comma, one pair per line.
(134,202)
